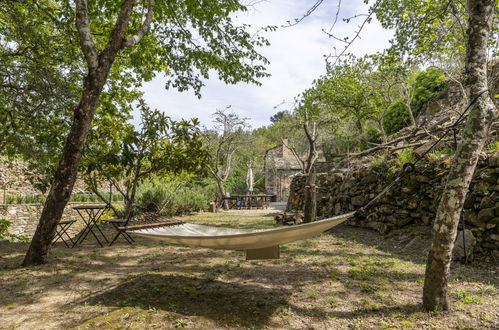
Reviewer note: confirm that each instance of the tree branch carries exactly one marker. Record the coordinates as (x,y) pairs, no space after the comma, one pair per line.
(132,41)
(116,42)
(86,41)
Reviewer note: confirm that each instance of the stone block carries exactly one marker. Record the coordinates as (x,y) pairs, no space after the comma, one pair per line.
(485,215)
(487,202)
(358,200)
(467,240)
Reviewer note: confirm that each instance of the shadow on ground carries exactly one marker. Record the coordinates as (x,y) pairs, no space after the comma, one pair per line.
(229,303)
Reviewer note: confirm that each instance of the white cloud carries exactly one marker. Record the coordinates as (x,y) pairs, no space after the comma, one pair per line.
(295,55)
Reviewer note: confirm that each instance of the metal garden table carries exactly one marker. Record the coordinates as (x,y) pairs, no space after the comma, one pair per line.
(90,215)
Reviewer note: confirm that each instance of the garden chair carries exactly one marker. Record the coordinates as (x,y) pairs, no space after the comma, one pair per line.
(138,219)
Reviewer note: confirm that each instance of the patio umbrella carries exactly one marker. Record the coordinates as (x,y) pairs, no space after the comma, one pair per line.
(250,180)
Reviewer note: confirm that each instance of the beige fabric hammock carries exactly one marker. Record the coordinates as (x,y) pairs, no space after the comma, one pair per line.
(258,244)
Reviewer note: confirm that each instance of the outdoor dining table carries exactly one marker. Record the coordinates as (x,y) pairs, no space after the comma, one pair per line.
(90,214)
(249,201)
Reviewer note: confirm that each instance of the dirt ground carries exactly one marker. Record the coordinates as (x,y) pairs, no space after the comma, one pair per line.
(348,278)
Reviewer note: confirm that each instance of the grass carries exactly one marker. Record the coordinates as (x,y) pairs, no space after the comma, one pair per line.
(350,278)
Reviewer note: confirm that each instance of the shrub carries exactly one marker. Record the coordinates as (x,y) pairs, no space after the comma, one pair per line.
(24,199)
(174,195)
(5,235)
(429,86)
(156,195)
(396,117)
(406,156)
(40,199)
(371,135)
(191,199)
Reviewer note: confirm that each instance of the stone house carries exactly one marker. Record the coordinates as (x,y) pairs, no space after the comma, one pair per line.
(281,166)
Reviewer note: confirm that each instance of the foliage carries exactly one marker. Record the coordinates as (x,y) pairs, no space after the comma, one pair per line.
(424,28)
(429,85)
(396,117)
(24,199)
(127,155)
(5,235)
(405,156)
(40,199)
(175,195)
(43,69)
(278,116)
(492,146)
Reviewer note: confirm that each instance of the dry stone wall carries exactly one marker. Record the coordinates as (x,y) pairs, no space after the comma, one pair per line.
(24,217)
(414,200)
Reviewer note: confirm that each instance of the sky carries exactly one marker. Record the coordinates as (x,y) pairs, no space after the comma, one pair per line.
(296,56)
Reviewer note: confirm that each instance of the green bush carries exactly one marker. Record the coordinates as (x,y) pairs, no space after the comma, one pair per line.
(39,199)
(406,156)
(5,235)
(24,199)
(429,86)
(156,196)
(191,199)
(396,117)
(175,195)
(371,135)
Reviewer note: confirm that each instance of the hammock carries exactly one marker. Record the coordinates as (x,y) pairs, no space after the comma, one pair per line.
(258,244)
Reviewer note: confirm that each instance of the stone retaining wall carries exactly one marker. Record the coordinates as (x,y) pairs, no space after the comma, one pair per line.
(25,217)
(413,200)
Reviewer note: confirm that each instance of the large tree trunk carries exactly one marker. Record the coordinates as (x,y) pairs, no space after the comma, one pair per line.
(310,198)
(474,136)
(67,171)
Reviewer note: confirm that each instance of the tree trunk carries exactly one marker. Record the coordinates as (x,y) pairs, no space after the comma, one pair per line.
(384,137)
(473,139)
(66,172)
(310,198)
(411,115)
(221,192)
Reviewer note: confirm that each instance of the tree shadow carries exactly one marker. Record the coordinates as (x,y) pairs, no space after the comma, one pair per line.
(412,243)
(226,303)
(401,310)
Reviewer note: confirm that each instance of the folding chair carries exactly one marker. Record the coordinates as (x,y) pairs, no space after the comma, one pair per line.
(136,220)
(62,229)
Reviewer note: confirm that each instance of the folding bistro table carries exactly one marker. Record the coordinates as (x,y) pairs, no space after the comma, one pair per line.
(62,229)
(90,215)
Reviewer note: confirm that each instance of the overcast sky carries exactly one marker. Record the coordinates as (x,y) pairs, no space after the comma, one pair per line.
(296,56)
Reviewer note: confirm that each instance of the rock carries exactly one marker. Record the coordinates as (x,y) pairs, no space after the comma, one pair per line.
(412,204)
(378,226)
(487,175)
(494,237)
(471,217)
(422,179)
(369,179)
(493,161)
(485,215)
(426,219)
(469,242)
(358,200)
(486,202)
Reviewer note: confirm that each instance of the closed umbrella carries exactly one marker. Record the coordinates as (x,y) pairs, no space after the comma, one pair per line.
(250,180)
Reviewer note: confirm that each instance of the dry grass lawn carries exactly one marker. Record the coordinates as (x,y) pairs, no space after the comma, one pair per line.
(348,278)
